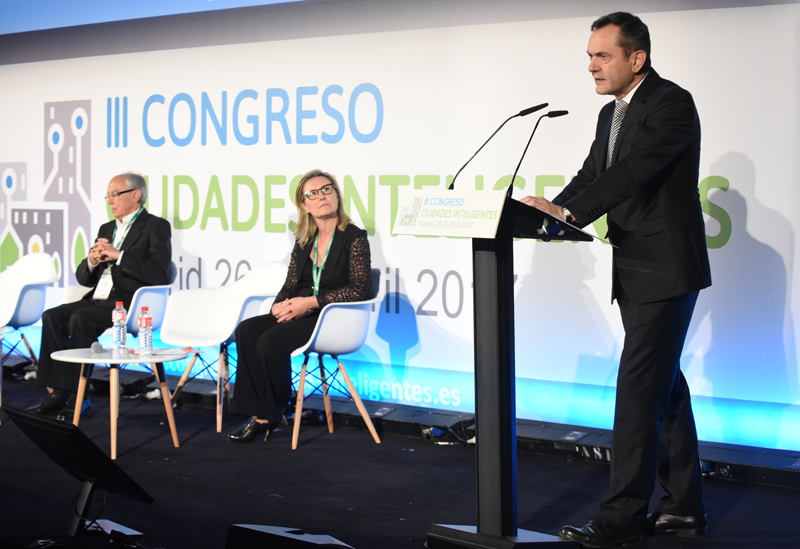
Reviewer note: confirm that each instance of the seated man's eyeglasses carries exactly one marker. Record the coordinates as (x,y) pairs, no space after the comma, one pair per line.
(314,193)
(114,195)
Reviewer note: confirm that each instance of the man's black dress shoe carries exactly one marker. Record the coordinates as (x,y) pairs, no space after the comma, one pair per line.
(689,526)
(599,533)
(50,404)
(248,431)
(68,412)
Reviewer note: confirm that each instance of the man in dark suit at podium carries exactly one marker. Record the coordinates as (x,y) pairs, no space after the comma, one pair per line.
(132,251)
(642,170)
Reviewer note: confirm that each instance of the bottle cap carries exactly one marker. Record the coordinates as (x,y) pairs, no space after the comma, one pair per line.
(119,303)
(144,309)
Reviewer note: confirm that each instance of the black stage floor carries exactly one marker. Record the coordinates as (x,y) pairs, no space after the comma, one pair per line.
(344,485)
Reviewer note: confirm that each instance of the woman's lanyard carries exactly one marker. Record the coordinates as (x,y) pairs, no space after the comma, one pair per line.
(127,228)
(316,272)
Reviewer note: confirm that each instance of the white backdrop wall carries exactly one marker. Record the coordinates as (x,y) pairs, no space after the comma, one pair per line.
(223,132)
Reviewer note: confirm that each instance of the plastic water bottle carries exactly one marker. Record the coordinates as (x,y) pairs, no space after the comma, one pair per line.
(145,323)
(120,322)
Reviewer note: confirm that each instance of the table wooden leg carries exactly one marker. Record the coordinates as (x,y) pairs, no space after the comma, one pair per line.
(76,417)
(158,370)
(113,385)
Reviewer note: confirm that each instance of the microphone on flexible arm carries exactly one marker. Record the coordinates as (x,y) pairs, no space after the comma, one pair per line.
(524,112)
(551,114)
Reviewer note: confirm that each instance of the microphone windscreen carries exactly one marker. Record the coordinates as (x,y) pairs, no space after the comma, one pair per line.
(530,110)
(96,347)
(554,114)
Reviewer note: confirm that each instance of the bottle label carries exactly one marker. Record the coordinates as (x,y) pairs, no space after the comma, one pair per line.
(145,322)
(117,316)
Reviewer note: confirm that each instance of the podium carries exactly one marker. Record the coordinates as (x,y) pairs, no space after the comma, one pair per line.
(497,220)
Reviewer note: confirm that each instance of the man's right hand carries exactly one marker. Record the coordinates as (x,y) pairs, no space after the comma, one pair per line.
(95,255)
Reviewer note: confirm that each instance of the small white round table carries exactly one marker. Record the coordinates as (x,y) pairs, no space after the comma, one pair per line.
(114,359)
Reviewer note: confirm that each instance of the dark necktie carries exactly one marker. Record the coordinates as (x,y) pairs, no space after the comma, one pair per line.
(619,114)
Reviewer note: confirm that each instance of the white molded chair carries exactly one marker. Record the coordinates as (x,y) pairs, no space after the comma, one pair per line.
(23,286)
(207,317)
(341,329)
(153,297)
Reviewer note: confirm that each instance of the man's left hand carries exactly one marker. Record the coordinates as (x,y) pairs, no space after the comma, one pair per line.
(106,250)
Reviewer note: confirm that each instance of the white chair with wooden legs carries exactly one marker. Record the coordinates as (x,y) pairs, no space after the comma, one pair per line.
(153,297)
(208,317)
(23,286)
(341,329)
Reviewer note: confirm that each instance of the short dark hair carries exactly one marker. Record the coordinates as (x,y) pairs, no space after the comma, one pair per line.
(633,34)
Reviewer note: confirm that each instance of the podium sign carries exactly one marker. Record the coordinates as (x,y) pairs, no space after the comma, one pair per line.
(472,214)
(492,221)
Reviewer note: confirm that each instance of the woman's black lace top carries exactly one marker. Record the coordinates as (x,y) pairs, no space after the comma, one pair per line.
(347,274)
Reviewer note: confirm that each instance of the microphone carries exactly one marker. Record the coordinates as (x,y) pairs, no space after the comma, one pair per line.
(524,112)
(531,110)
(551,114)
(97,348)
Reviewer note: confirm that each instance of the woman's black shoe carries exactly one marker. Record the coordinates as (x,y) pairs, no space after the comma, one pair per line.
(248,431)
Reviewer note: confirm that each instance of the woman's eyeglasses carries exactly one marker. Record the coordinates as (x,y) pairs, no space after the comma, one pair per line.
(314,193)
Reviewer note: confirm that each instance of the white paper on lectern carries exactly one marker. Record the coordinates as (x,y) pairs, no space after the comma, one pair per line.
(471,214)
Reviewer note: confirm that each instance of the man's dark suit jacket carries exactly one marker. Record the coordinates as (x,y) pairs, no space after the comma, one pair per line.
(146,261)
(649,192)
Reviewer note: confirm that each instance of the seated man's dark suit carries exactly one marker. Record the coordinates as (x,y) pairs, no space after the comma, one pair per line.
(654,217)
(147,254)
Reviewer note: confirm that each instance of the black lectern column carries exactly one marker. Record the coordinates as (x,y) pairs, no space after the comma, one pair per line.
(492,265)
(495,398)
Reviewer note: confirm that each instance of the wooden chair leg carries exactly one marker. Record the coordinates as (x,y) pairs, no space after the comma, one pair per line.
(359,404)
(185,375)
(30,351)
(325,397)
(226,378)
(220,389)
(34,360)
(298,410)
(161,377)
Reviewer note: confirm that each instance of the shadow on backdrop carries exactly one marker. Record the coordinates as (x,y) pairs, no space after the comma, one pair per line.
(561,331)
(748,306)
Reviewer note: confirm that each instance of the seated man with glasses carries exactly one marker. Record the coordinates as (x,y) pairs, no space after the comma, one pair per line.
(132,251)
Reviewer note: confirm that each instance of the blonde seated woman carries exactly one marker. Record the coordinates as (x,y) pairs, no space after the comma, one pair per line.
(330,263)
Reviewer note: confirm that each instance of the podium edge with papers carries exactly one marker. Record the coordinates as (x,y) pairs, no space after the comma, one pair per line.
(498,220)
(489,205)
